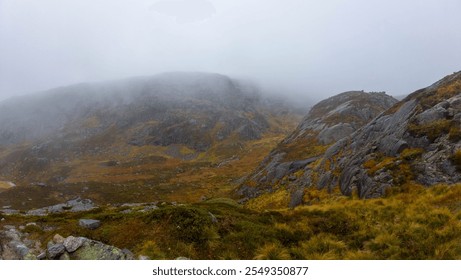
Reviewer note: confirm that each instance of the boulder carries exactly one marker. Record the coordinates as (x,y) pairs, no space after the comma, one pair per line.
(73,243)
(56,250)
(58,238)
(89,223)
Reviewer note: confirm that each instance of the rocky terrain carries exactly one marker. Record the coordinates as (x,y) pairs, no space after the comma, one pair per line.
(327,122)
(17,246)
(363,176)
(413,141)
(417,140)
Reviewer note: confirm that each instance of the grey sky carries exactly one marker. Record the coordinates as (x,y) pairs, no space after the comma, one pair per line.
(316,48)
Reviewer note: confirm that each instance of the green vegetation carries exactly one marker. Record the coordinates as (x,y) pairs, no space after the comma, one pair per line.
(416,223)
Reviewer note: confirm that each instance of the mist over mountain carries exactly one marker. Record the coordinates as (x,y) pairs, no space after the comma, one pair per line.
(205,166)
(139,131)
(127,102)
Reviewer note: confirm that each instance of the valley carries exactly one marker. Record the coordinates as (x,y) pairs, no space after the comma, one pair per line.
(202,166)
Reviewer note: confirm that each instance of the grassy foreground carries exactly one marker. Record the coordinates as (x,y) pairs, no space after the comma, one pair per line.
(416,223)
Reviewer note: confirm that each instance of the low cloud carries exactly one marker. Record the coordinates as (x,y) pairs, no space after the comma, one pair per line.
(185,11)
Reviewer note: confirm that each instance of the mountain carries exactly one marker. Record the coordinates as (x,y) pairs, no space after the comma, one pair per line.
(119,193)
(149,134)
(414,141)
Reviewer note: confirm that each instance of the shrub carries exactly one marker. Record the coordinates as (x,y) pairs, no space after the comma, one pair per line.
(272,252)
(386,245)
(185,223)
(322,246)
(151,249)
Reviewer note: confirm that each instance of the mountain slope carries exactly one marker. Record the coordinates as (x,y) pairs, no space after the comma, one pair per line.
(152,134)
(328,121)
(416,142)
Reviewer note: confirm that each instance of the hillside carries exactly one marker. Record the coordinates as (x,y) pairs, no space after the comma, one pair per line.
(414,142)
(174,136)
(417,141)
(327,122)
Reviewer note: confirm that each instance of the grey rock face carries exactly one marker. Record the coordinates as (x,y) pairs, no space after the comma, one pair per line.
(335,133)
(329,121)
(89,224)
(390,134)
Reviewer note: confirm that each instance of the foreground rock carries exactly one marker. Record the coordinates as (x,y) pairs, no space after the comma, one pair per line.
(15,245)
(81,248)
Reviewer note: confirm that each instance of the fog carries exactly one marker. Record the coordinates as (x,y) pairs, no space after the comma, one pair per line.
(301,48)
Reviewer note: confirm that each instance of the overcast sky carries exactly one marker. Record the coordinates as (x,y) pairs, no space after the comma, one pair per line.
(316,48)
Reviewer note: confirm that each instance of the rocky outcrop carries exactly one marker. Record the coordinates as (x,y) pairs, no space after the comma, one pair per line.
(327,122)
(81,248)
(16,245)
(74,205)
(416,140)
